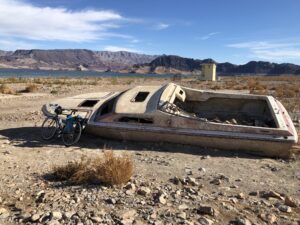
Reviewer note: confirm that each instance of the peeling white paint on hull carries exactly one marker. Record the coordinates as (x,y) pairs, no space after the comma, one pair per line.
(259,146)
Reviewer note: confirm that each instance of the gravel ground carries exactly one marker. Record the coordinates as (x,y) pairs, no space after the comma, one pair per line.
(172,184)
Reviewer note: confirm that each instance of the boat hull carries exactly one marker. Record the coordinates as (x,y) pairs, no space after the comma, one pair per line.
(233,142)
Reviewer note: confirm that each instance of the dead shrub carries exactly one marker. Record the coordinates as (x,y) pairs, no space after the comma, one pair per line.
(295,88)
(54,92)
(241,87)
(113,81)
(290,93)
(259,92)
(255,85)
(5,89)
(260,87)
(176,78)
(109,170)
(216,87)
(284,91)
(31,88)
(251,83)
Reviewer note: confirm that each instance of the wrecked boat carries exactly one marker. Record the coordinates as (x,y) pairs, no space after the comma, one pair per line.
(172,113)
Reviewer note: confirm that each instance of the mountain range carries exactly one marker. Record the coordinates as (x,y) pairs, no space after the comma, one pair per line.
(188,65)
(82,59)
(71,59)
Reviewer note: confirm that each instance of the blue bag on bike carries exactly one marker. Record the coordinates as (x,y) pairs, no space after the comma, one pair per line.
(69,124)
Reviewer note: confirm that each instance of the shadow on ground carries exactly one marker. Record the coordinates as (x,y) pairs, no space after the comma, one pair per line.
(30,137)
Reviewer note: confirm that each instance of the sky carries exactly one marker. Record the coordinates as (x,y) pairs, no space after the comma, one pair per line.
(235,31)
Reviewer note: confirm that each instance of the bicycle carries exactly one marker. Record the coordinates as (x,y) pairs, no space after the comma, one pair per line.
(69,129)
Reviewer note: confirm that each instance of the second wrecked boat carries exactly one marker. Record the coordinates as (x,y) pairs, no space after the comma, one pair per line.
(172,113)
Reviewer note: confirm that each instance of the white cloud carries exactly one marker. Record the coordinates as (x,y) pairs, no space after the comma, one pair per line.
(257,45)
(118,48)
(161,26)
(270,50)
(134,41)
(19,19)
(208,36)
(278,54)
(10,44)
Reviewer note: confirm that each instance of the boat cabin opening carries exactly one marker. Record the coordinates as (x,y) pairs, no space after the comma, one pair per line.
(214,107)
(140,97)
(88,103)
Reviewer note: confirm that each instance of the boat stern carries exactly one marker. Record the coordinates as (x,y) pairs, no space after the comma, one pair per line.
(287,123)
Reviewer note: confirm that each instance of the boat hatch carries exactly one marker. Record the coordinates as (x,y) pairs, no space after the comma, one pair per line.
(88,103)
(140,97)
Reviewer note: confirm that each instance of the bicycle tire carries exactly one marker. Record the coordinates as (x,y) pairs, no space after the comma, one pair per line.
(71,138)
(49,130)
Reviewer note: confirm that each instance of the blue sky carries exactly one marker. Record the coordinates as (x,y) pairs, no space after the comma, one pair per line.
(226,30)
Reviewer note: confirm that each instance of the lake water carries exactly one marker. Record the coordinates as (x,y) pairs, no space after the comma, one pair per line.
(62,73)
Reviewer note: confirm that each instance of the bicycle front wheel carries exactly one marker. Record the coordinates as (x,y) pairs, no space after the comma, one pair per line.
(49,128)
(72,136)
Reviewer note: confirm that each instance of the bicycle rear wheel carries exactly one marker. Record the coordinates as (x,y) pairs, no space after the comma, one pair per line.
(72,136)
(49,128)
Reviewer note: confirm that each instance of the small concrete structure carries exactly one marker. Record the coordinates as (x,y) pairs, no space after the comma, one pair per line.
(208,72)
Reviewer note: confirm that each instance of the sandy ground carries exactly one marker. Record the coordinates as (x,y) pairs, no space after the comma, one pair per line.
(239,188)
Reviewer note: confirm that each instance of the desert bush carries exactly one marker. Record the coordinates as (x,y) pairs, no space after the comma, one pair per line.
(254,84)
(93,82)
(295,88)
(283,91)
(259,92)
(290,93)
(241,87)
(12,80)
(251,83)
(286,78)
(230,84)
(53,92)
(38,80)
(113,81)
(5,89)
(109,170)
(31,88)
(176,78)
(128,82)
(216,87)
(260,86)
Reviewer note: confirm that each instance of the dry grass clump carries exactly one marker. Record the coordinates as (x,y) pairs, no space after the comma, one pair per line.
(254,84)
(31,88)
(286,78)
(113,81)
(283,91)
(216,87)
(176,78)
(5,89)
(230,84)
(54,92)
(109,170)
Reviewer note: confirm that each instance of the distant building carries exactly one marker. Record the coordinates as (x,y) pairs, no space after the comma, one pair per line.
(208,72)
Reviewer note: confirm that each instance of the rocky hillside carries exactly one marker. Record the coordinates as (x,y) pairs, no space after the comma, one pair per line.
(72,59)
(4,53)
(82,59)
(258,67)
(186,65)
(122,59)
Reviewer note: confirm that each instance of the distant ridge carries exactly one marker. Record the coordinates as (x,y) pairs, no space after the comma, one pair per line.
(71,59)
(122,61)
(169,62)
